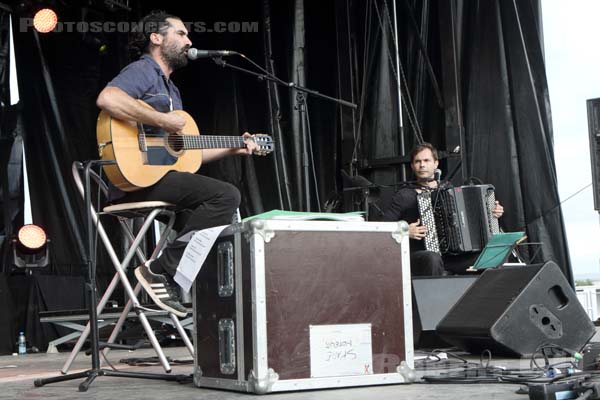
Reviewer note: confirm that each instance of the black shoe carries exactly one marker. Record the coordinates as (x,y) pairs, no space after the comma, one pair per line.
(160,290)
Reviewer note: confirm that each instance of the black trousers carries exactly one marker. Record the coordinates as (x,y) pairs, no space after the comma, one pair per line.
(428,263)
(201,202)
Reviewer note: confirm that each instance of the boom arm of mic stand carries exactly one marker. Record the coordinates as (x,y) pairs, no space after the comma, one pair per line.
(301,108)
(291,85)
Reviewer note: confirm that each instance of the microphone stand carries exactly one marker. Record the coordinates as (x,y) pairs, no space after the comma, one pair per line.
(300,106)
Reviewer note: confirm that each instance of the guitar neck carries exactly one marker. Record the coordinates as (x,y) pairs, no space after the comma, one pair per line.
(212,142)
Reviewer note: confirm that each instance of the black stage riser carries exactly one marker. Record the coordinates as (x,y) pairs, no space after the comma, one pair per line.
(434,296)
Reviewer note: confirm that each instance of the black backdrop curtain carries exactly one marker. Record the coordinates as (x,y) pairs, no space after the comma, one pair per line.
(508,121)
(500,106)
(490,96)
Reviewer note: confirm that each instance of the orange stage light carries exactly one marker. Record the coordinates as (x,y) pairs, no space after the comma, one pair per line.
(45,20)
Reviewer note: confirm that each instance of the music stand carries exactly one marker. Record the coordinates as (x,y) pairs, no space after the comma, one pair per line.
(90,285)
(497,250)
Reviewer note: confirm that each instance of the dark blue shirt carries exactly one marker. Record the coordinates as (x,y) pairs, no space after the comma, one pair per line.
(144,80)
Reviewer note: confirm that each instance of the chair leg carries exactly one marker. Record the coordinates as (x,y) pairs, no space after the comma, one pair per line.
(133,293)
(147,328)
(160,244)
(182,333)
(119,324)
(120,275)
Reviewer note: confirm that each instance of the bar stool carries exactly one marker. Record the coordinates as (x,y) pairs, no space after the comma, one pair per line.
(149,211)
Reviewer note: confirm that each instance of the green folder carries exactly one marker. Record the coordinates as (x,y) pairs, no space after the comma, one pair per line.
(308,216)
(497,250)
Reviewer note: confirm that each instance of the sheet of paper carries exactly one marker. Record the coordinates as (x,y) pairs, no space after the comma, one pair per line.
(338,350)
(195,254)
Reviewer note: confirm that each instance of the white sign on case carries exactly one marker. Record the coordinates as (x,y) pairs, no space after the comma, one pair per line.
(340,350)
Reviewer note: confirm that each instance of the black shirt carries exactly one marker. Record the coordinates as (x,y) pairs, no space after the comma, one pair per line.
(404,207)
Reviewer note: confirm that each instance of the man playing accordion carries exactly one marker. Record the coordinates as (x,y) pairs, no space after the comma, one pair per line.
(404,206)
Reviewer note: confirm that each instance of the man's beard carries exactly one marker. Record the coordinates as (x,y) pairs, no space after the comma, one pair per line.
(175,58)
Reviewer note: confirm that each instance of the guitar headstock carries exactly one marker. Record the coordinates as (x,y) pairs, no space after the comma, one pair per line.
(264,144)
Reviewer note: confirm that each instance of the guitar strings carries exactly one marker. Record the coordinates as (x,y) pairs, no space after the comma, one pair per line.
(210,140)
(202,138)
(182,136)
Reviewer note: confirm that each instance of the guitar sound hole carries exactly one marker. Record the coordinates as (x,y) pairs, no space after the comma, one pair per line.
(175,142)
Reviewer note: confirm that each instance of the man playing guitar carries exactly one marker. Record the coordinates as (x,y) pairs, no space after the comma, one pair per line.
(201,201)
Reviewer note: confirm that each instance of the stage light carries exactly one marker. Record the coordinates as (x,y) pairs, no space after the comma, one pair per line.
(45,20)
(30,247)
(32,237)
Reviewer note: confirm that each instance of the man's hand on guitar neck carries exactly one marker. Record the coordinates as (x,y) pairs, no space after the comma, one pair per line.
(251,145)
(209,155)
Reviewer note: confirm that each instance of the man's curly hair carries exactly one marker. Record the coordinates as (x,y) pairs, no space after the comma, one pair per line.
(139,39)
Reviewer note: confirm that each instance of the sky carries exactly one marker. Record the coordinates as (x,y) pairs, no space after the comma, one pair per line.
(572,55)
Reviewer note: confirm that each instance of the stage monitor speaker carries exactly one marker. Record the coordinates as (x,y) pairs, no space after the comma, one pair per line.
(513,310)
(434,296)
(593,106)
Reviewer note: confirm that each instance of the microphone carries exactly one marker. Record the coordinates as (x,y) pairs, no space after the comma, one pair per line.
(194,54)
(437,175)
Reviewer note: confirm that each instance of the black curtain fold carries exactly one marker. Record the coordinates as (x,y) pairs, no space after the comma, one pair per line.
(533,130)
(49,155)
(508,121)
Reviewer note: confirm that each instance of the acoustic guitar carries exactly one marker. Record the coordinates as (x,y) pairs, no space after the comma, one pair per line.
(144,154)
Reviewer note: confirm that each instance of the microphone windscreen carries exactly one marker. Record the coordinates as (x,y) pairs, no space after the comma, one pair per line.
(192,53)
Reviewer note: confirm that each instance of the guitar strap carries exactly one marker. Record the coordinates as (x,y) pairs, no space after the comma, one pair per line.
(166,81)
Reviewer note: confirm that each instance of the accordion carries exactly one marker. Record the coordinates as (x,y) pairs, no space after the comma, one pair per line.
(459,219)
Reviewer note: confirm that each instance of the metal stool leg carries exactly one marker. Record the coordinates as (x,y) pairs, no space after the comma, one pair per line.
(183,334)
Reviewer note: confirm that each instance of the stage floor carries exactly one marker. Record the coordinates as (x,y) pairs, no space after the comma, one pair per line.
(17,374)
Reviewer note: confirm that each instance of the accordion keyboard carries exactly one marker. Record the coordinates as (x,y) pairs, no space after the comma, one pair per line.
(427,214)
